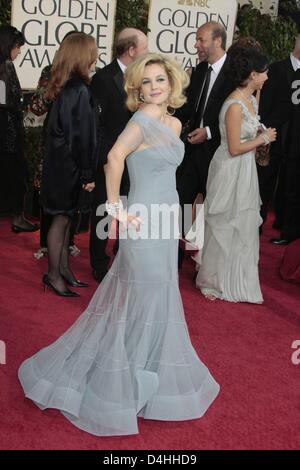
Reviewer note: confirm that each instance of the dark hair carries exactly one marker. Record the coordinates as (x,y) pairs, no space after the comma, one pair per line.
(243,61)
(247,42)
(10,38)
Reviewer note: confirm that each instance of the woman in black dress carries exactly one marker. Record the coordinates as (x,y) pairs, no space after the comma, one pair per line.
(13,168)
(70,156)
(41,107)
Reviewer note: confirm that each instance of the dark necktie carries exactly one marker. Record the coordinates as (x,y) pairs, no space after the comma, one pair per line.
(203,97)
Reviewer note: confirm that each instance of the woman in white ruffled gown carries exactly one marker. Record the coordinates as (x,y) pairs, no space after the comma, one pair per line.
(228,264)
(129,354)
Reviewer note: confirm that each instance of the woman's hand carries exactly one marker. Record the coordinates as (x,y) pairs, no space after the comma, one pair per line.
(123,225)
(126,220)
(88,187)
(117,212)
(271,134)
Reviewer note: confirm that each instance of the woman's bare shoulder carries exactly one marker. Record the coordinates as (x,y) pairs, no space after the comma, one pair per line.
(175,124)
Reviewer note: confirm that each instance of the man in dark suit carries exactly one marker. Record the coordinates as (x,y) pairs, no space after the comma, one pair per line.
(207,92)
(291,222)
(107,87)
(275,111)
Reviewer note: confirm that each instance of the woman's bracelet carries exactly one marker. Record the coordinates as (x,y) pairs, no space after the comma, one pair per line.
(114,208)
(266,138)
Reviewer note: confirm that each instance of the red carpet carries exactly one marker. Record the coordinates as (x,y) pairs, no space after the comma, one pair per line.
(247,348)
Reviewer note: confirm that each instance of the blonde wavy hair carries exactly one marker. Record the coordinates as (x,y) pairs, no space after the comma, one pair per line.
(135,72)
(75,56)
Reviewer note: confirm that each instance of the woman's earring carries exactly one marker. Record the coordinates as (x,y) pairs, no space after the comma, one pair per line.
(170,111)
(142,99)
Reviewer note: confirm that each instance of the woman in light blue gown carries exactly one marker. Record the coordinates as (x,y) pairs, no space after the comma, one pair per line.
(228,264)
(129,354)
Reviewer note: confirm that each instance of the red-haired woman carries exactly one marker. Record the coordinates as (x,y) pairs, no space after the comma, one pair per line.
(71,145)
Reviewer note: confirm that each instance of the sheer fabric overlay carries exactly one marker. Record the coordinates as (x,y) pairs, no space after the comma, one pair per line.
(129,354)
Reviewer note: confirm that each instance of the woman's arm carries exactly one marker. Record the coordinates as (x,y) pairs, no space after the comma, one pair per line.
(233,121)
(114,171)
(113,174)
(128,141)
(79,127)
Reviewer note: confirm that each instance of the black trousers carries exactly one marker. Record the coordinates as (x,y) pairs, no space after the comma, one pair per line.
(13,177)
(98,258)
(192,175)
(271,180)
(291,224)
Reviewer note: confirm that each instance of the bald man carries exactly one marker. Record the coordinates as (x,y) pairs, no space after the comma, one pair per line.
(207,92)
(208,89)
(108,89)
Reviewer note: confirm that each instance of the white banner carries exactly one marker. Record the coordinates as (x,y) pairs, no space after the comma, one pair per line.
(173,25)
(44,24)
(266,6)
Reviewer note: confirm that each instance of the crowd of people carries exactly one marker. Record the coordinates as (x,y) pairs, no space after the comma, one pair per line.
(144,129)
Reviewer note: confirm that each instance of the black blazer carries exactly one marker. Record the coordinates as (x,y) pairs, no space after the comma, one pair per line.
(275,104)
(275,100)
(71,148)
(293,134)
(107,87)
(220,91)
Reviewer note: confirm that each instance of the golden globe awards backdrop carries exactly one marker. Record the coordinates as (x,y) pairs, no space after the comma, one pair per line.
(173,25)
(45,23)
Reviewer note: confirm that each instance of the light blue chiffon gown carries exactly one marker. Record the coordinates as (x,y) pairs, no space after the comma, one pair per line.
(129,354)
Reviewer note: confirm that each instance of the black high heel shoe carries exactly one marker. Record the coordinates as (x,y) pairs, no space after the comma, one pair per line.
(64,293)
(75,282)
(30,228)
